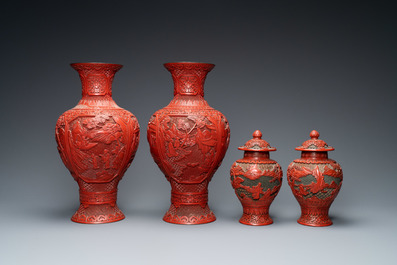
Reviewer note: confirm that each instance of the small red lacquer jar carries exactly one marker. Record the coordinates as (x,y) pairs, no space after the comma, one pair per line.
(256,180)
(315,181)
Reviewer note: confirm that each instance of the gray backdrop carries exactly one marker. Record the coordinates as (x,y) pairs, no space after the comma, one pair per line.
(282,67)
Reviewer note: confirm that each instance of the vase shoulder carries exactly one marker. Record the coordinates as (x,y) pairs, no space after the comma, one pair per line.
(188,102)
(197,111)
(97,103)
(255,161)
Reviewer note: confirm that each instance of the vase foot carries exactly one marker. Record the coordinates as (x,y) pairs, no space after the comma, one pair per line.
(256,215)
(97,214)
(315,217)
(257,220)
(189,215)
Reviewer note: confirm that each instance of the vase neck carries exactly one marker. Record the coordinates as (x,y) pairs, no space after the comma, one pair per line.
(189,78)
(252,155)
(96,78)
(314,155)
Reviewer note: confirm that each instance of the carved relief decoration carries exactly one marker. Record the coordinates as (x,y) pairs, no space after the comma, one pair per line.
(256,180)
(315,181)
(188,140)
(97,141)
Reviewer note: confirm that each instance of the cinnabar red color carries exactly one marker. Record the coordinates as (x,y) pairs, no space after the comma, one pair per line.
(97,141)
(315,181)
(256,180)
(188,140)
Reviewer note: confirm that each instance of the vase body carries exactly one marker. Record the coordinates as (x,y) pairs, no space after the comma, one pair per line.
(97,141)
(188,140)
(315,181)
(256,180)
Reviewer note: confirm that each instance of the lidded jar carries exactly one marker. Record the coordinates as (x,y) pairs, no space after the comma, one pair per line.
(315,181)
(256,180)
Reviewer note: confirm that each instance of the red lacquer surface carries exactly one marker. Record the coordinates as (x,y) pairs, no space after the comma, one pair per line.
(97,141)
(315,181)
(188,140)
(256,180)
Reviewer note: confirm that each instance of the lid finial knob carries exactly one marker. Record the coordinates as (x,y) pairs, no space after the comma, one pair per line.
(257,134)
(314,134)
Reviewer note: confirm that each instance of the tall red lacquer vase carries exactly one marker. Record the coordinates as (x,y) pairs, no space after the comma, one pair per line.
(97,141)
(188,140)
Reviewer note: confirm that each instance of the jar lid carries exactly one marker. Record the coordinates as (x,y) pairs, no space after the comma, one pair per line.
(314,144)
(256,144)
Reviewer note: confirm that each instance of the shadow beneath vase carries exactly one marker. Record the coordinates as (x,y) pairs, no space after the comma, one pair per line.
(43,213)
(339,220)
(149,214)
(228,217)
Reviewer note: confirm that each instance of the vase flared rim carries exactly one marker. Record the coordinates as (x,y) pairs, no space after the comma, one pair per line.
(189,63)
(97,63)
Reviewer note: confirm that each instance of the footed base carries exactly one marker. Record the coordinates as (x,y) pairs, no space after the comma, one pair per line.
(315,217)
(189,215)
(251,219)
(313,221)
(97,214)
(256,216)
